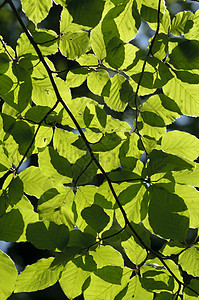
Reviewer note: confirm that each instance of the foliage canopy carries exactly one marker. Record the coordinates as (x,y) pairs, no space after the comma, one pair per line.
(100,235)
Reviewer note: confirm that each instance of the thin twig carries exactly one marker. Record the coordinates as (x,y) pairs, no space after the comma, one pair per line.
(6,50)
(178,292)
(2,4)
(105,238)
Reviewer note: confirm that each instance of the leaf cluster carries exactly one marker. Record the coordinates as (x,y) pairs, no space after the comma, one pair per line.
(100,234)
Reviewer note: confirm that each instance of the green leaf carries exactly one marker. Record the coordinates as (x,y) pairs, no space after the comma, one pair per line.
(131,193)
(149,13)
(134,251)
(56,205)
(163,162)
(74,44)
(64,143)
(4,62)
(106,255)
(47,41)
(6,84)
(108,142)
(168,214)
(160,46)
(142,232)
(60,163)
(184,94)
(113,100)
(97,42)
(95,217)
(8,274)
(72,280)
(37,113)
(134,289)
(159,111)
(149,10)
(44,275)
(156,73)
(43,93)
(182,23)
(35,183)
(11,226)
(60,2)
(88,59)
(77,76)
(54,166)
(87,12)
(80,239)
(128,21)
(66,20)
(29,215)
(36,10)
(84,170)
(172,247)
(188,260)
(192,27)
(105,289)
(43,137)
(15,191)
(22,134)
(152,119)
(20,95)
(115,52)
(190,295)
(164,296)
(190,196)
(185,55)
(97,80)
(180,143)
(48,235)
(158,280)
(190,177)
(112,274)
(190,76)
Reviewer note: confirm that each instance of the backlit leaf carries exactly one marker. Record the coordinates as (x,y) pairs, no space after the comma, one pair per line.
(188,259)
(42,271)
(8,273)
(36,10)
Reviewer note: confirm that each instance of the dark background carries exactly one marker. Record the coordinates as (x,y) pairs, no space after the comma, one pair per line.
(25,253)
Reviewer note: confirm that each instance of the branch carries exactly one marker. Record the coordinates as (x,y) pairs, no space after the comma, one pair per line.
(178,292)
(5,49)
(60,100)
(2,5)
